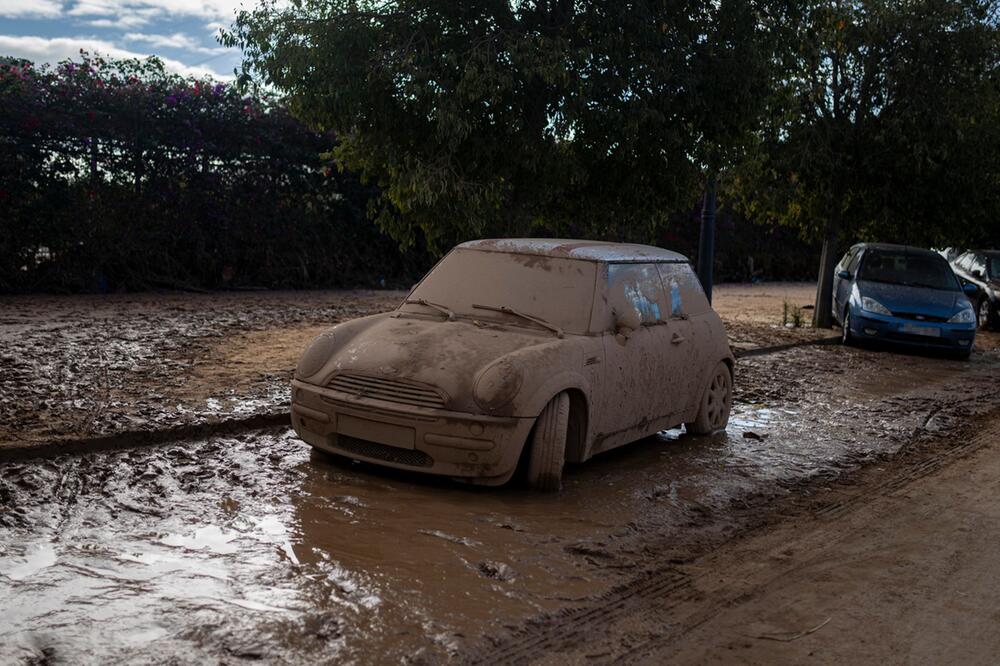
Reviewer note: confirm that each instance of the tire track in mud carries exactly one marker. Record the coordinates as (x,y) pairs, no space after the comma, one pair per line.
(670,588)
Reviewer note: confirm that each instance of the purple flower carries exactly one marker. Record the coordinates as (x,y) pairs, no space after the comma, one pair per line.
(171,100)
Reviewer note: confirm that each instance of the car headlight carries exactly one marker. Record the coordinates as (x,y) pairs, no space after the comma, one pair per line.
(871,305)
(497,385)
(966,316)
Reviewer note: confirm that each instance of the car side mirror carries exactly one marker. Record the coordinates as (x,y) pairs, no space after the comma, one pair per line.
(970,288)
(978,274)
(844,275)
(626,322)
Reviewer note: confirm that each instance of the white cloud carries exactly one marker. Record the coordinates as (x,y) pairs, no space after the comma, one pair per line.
(178,40)
(45,50)
(30,8)
(127,22)
(210,9)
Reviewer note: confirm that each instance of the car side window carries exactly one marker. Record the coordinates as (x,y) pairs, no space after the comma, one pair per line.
(845,260)
(852,267)
(638,287)
(978,265)
(964,261)
(687,298)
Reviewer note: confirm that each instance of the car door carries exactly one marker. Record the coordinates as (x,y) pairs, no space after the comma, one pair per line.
(640,365)
(691,334)
(842,286)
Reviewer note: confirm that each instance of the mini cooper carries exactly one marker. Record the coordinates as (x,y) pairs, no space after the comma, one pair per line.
(520,354)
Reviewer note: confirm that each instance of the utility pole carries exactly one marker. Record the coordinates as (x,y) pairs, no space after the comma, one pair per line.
(706,242)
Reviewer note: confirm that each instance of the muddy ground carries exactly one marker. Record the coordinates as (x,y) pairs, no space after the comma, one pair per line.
(230,548)
(74,368)
(84,366)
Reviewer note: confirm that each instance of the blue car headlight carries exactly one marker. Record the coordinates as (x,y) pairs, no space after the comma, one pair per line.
(966,316)
(871,305)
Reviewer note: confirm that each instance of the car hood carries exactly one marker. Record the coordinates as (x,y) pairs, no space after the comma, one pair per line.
(447,355)
(917,300)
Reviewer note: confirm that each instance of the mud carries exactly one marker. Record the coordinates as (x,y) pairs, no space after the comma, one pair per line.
(76,367)
(253,547)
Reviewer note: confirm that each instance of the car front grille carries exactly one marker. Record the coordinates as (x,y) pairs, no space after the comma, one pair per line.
(393,454)
(920,317)
(390,390)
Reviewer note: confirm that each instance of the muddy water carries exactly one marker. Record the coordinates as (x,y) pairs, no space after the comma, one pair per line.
(253,547)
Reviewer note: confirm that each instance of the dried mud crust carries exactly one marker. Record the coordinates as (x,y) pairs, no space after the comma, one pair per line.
(80,367)
(84,366)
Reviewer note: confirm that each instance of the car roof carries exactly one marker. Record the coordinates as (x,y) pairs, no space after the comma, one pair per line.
(586,250)
(909,249)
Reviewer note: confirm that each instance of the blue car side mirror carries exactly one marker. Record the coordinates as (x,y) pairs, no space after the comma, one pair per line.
(844,275)
(970,288)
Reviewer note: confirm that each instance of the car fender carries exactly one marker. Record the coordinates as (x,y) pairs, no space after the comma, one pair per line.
(320,352)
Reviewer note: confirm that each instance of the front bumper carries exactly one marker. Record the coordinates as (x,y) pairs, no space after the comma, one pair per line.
(912,333)
(469,447)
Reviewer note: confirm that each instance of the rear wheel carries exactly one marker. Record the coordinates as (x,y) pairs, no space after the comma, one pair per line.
(548,445)
(716,402)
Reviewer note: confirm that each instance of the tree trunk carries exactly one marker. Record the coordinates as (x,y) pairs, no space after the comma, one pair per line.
(822,315)
(706,241)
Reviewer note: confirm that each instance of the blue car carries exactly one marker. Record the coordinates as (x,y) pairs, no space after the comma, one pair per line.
(903,295)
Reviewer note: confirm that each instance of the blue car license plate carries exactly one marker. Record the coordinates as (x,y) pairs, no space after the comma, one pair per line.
(929,331)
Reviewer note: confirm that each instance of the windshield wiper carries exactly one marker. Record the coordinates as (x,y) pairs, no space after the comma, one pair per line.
(541,322)
(427,304)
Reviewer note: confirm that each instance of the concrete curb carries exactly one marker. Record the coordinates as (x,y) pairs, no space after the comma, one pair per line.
(138,438)
(762,351)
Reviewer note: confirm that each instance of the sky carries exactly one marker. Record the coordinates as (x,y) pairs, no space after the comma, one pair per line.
(181,32)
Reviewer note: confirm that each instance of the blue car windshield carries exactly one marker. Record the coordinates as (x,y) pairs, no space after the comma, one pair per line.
(911,270)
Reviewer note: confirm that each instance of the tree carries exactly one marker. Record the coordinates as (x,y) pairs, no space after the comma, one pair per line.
(490,117)
(119,175)
(884,126)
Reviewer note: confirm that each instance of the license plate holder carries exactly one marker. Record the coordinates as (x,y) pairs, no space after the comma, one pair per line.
(927,331)
(376,431)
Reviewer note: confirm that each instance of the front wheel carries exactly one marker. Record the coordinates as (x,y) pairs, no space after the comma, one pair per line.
(983,313)
(716,403)
(845,335)
(548,445)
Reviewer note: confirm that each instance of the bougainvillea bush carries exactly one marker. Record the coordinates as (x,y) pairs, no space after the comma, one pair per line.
(119,175)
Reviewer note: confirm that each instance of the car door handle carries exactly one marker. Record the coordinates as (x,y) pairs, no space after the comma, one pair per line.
(677,339)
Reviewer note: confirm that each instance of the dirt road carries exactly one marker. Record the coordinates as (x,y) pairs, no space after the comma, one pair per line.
(899,568)
(230,548)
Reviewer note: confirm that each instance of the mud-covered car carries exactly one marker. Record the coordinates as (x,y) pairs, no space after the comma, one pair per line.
(554,350)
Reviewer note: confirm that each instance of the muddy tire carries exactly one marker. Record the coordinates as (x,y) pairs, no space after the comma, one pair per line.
(984,318)
(846,337)
(548,446)
(716,403)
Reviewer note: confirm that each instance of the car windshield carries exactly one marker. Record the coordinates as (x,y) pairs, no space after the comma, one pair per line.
(913,270)
(557,291)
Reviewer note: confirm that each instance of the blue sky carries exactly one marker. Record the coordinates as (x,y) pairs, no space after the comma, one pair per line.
(181,32)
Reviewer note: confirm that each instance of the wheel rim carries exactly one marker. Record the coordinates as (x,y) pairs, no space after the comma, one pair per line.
(719,399)
(984,313)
